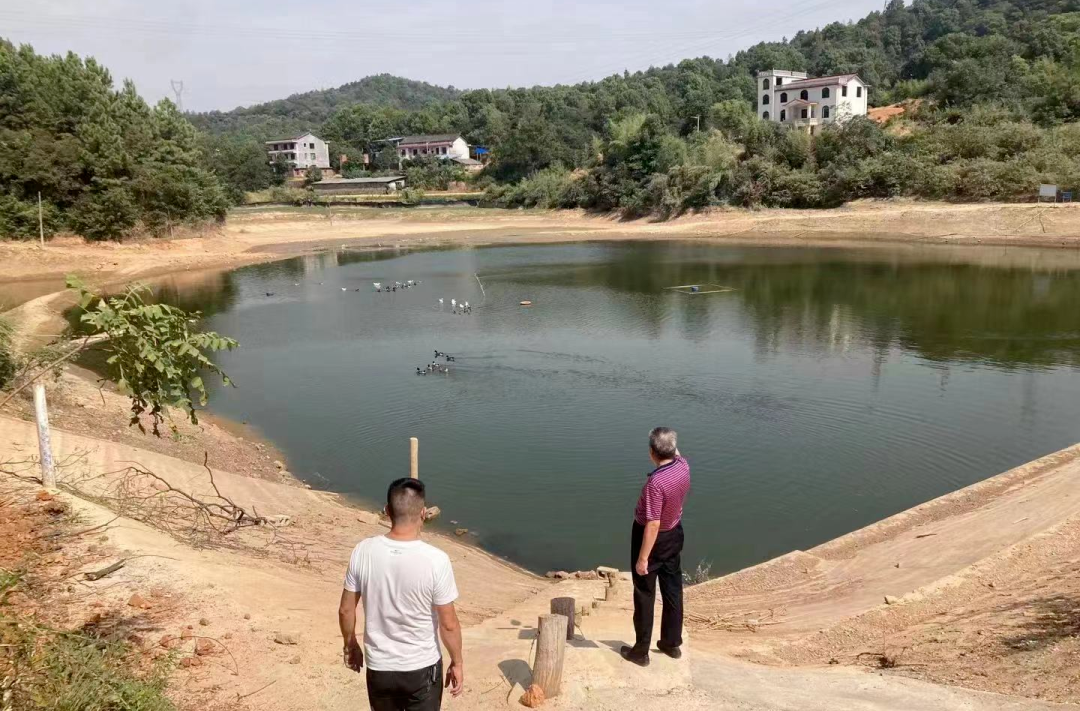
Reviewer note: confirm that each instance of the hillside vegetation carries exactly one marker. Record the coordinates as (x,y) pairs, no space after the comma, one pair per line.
(998,84)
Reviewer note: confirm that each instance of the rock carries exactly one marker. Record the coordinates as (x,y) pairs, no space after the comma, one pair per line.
(285,638)
(368,517)
(307,486)
(44,496)
(533,698)
(432,512)
(228,635)
(188,662)
(295,660)
(204,646)
(203,621)
(168,641)
(278,464)
(460,531)
(891,600)
(186,634)
(286,474)
(605,571)
(587,575)
(247,615)
(557,574)
(138,601)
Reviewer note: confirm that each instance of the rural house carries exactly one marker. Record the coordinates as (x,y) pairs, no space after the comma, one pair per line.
(301,151)
(802,102)
(449,146)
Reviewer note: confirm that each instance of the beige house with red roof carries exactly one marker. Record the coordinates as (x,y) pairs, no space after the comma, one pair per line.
(797,100)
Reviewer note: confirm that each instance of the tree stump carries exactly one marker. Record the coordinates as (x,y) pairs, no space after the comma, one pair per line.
(567,607)
(550,652)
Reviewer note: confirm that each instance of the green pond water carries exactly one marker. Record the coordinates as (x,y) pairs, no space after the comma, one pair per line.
(831,387)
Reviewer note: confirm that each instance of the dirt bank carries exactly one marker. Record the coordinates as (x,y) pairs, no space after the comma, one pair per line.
(977,588)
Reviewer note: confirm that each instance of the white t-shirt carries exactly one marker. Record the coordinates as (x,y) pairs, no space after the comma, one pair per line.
(399,582)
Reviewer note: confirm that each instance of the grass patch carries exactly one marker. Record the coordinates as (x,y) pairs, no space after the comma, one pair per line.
(43,668)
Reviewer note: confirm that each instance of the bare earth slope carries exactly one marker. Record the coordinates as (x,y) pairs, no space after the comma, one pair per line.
(982,585)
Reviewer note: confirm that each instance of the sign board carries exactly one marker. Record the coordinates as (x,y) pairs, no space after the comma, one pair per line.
(1048,191)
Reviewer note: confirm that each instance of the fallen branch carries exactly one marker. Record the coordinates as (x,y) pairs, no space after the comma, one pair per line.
(85,530)
(240,698)
(98,574)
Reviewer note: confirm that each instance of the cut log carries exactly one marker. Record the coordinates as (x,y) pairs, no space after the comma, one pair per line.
(614,588)
(567,607)
(550,652)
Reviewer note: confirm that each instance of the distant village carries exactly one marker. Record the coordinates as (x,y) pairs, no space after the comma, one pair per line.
(793,99)
(308,151)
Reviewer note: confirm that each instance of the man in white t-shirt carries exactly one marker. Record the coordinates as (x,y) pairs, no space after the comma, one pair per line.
(408,591)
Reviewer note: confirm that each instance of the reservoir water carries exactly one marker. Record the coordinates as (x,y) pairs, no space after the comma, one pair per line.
(826,389)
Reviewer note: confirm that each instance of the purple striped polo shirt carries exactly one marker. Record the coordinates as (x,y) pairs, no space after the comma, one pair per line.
(663,495)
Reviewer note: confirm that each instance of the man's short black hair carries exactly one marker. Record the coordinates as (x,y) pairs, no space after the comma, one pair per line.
(405,500)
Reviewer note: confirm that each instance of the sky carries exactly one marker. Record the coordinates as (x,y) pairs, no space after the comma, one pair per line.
(232,53)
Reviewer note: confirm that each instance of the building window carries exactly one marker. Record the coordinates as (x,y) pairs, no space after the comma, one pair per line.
(813,112)
(824,112)
(765,115)
(779,81)
(765,99)
(783,98)
(804,113)
(843,90)
(783,114)
(825,93)
(804,95)
(765,84)
(858,91)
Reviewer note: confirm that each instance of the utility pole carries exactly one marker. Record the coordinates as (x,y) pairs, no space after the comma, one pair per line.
(178,91)
(698,119)
(40,221)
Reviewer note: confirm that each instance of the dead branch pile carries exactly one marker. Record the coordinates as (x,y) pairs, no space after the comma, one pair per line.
(735,621)
(201,521)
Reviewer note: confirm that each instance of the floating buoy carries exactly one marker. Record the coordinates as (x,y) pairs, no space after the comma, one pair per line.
(526,303)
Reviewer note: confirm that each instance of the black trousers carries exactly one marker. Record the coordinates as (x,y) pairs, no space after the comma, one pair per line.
(419,690)
(665,564)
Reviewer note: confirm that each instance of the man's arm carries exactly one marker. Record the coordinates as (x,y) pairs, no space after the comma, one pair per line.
(450,632)
(648,540)
(352,653)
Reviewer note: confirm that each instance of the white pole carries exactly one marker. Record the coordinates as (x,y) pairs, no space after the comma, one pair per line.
(414,457)
(40,220)
(41,414)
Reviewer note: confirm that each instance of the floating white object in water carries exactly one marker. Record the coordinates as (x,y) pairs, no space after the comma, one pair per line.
(344,289)
(440,302)
(466,304)
(376,284)
(453,302)
(296,283)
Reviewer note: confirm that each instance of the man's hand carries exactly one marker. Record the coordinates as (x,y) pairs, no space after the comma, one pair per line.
(455,679)
(642,566)
(353,656)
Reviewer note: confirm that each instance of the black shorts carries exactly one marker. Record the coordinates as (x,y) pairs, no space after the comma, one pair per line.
(418,690)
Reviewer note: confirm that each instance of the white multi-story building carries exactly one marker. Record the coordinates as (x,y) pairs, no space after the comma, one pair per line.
(302,151)
(799,101)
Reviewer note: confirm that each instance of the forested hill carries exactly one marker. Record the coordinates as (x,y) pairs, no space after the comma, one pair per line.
(310,109)
(1020,54)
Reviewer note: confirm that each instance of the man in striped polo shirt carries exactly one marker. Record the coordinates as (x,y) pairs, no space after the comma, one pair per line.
(656,545)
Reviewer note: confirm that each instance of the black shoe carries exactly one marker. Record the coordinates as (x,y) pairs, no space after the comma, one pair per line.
(673,652)
(628,653)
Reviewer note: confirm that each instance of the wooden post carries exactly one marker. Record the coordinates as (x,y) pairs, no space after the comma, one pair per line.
(414,457)
(565,606)
(40,220)
(615,586)
(41,414)
(550,652)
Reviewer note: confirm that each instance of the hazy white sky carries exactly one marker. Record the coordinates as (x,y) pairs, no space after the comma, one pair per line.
(240,52)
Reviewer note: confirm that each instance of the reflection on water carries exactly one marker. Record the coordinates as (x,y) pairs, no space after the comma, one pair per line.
(831,388)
